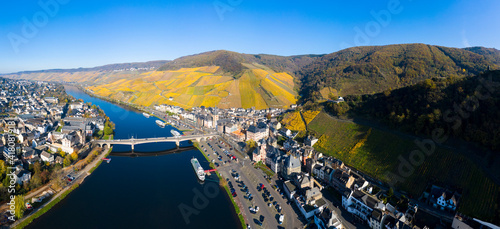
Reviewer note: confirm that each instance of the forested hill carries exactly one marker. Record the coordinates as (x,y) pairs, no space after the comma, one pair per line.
(373,69)
(467,108)
(491,54)
(231,62)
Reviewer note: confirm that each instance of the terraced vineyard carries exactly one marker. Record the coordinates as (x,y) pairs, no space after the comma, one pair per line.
(257,87)
(377,152)
(294,122)
(336,138)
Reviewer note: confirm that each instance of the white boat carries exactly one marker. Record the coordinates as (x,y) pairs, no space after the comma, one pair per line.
(175,133)
(146,115)
(198,169)
(160,123)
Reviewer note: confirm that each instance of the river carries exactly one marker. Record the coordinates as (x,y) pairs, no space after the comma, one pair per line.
(142,192)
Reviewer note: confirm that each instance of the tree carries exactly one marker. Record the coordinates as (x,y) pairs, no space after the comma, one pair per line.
(251,144)
(61,152)
(332,96)
(74,156)
(108,130)
(36,181)
(20,206)
(3,168)
(44,176)
(390,193)
(57,178)
(67,161)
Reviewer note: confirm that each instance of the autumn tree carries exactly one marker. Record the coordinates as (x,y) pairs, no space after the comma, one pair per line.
(20,206)
(67,161)
(74,156)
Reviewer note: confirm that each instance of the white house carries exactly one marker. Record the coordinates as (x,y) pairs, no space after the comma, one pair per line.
(23,176)
(359,203)
(47,157)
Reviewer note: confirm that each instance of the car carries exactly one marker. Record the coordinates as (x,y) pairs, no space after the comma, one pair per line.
(271,198)
(257,222)
(275,202)
(261,218)
(250,198)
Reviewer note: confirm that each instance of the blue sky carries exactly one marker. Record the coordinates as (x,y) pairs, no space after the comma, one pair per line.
(77,33)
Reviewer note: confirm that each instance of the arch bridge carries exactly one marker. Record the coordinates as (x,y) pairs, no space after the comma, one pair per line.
(136,141)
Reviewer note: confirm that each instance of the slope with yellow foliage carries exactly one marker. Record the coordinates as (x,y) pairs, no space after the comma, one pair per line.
(257,87)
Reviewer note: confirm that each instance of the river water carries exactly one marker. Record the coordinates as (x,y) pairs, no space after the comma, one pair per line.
(142,192)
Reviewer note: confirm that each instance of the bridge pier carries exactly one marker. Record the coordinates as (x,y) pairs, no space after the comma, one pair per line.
(177,143)
(132,147)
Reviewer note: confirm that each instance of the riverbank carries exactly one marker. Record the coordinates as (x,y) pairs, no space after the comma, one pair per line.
(25,221)
(127,105)
(236,209)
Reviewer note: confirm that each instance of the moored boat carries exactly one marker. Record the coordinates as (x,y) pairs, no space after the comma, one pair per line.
(200,173)
(175,133)
(160,123)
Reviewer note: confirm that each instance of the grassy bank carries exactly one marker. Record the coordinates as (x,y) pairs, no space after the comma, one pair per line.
(264,168)
(47,207)
(236,208)
(100,161)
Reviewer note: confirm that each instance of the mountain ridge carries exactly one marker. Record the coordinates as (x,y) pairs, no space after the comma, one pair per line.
(352,71)
(373,69)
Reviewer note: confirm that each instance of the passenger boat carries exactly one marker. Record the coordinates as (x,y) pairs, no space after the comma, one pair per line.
(200,173)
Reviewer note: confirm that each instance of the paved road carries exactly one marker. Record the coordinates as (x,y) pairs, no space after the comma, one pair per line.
(258,177)
(252,177)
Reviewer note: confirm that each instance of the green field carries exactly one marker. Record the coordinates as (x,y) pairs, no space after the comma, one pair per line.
(379,153)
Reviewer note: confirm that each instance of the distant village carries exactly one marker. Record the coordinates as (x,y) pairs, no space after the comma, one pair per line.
(307,172)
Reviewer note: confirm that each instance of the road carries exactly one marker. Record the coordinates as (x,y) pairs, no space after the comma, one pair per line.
(292,219)
(251,178)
